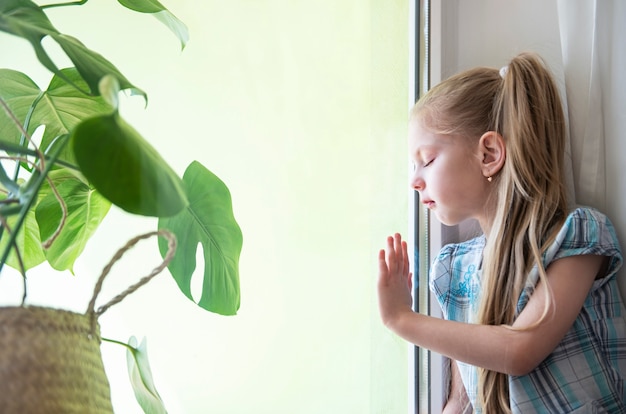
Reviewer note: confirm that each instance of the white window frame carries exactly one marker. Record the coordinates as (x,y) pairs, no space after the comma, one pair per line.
(430,52)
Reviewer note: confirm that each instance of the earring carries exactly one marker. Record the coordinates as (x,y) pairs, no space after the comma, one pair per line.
(489,178)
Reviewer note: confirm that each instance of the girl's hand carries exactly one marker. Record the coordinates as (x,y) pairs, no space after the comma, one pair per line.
(394,281)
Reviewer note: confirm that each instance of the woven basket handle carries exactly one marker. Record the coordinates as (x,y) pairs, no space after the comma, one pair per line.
(117,299)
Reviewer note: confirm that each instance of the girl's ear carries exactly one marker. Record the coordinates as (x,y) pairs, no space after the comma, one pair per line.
(493,153)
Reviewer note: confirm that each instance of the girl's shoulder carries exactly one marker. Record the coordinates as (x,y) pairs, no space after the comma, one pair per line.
(586,230)
(587,214)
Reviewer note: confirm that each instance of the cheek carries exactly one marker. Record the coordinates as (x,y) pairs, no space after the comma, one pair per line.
(454,180)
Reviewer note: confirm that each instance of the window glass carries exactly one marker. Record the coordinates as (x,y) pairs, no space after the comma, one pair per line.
(301,109)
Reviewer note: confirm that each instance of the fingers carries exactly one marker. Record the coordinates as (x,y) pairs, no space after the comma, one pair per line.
(396,257)
(398,242)
(405,258)
(382,263)
(392,254)
(394,280)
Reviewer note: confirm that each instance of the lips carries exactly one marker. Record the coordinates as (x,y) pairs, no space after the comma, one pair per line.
(428,203)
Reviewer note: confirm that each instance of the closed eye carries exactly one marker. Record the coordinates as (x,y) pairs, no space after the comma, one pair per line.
(429,162)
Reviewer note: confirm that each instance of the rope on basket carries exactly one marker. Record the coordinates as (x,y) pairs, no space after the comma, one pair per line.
(171,249)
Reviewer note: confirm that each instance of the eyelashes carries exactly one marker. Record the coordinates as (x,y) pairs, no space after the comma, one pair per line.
(424,165)
(414,165)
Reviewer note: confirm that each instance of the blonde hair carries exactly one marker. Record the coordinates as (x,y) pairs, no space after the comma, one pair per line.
(523,105)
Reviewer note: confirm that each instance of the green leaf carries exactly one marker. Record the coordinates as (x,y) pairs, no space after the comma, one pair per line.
(86,209)
(208,220)
(19,93)
(92,66)
(125,168)
(162,14)
(59,108)
(143,6)
(7,184)
(25,19)
(28,242)
(110,91)
(141,378)
(176,26)
(28,196)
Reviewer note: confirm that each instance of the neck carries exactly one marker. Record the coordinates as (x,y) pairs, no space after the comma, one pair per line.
(486,219)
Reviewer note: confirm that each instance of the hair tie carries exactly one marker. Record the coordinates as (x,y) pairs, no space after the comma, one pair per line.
(503,70)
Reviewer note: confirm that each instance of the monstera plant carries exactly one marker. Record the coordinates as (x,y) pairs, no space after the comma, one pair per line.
(67,155)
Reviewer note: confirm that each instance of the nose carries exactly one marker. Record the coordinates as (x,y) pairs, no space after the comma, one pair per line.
(417,182)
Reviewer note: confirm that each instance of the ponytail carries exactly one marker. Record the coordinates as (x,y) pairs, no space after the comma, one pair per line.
(532,202)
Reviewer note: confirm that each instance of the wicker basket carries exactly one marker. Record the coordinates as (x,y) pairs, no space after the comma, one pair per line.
(50,360)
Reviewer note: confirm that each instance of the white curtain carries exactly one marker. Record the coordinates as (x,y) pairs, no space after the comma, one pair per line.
(593,43)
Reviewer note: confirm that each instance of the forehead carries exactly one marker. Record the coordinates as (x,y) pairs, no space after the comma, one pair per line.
(421,138)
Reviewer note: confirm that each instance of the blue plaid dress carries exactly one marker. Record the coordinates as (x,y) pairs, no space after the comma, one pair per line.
(585,373)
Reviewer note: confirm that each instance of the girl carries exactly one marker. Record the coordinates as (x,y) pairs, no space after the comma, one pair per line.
(534,322)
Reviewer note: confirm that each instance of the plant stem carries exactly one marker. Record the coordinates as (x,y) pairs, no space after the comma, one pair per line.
(26,206)
(46,244)
(18,255)
(11,115)
(113,341)
(18,149)
(69,3)
(24,130)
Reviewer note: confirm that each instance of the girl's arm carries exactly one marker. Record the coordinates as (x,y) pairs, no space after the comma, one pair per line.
(496,348)
(457,403)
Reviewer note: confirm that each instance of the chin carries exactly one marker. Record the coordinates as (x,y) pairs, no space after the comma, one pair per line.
(446,220)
